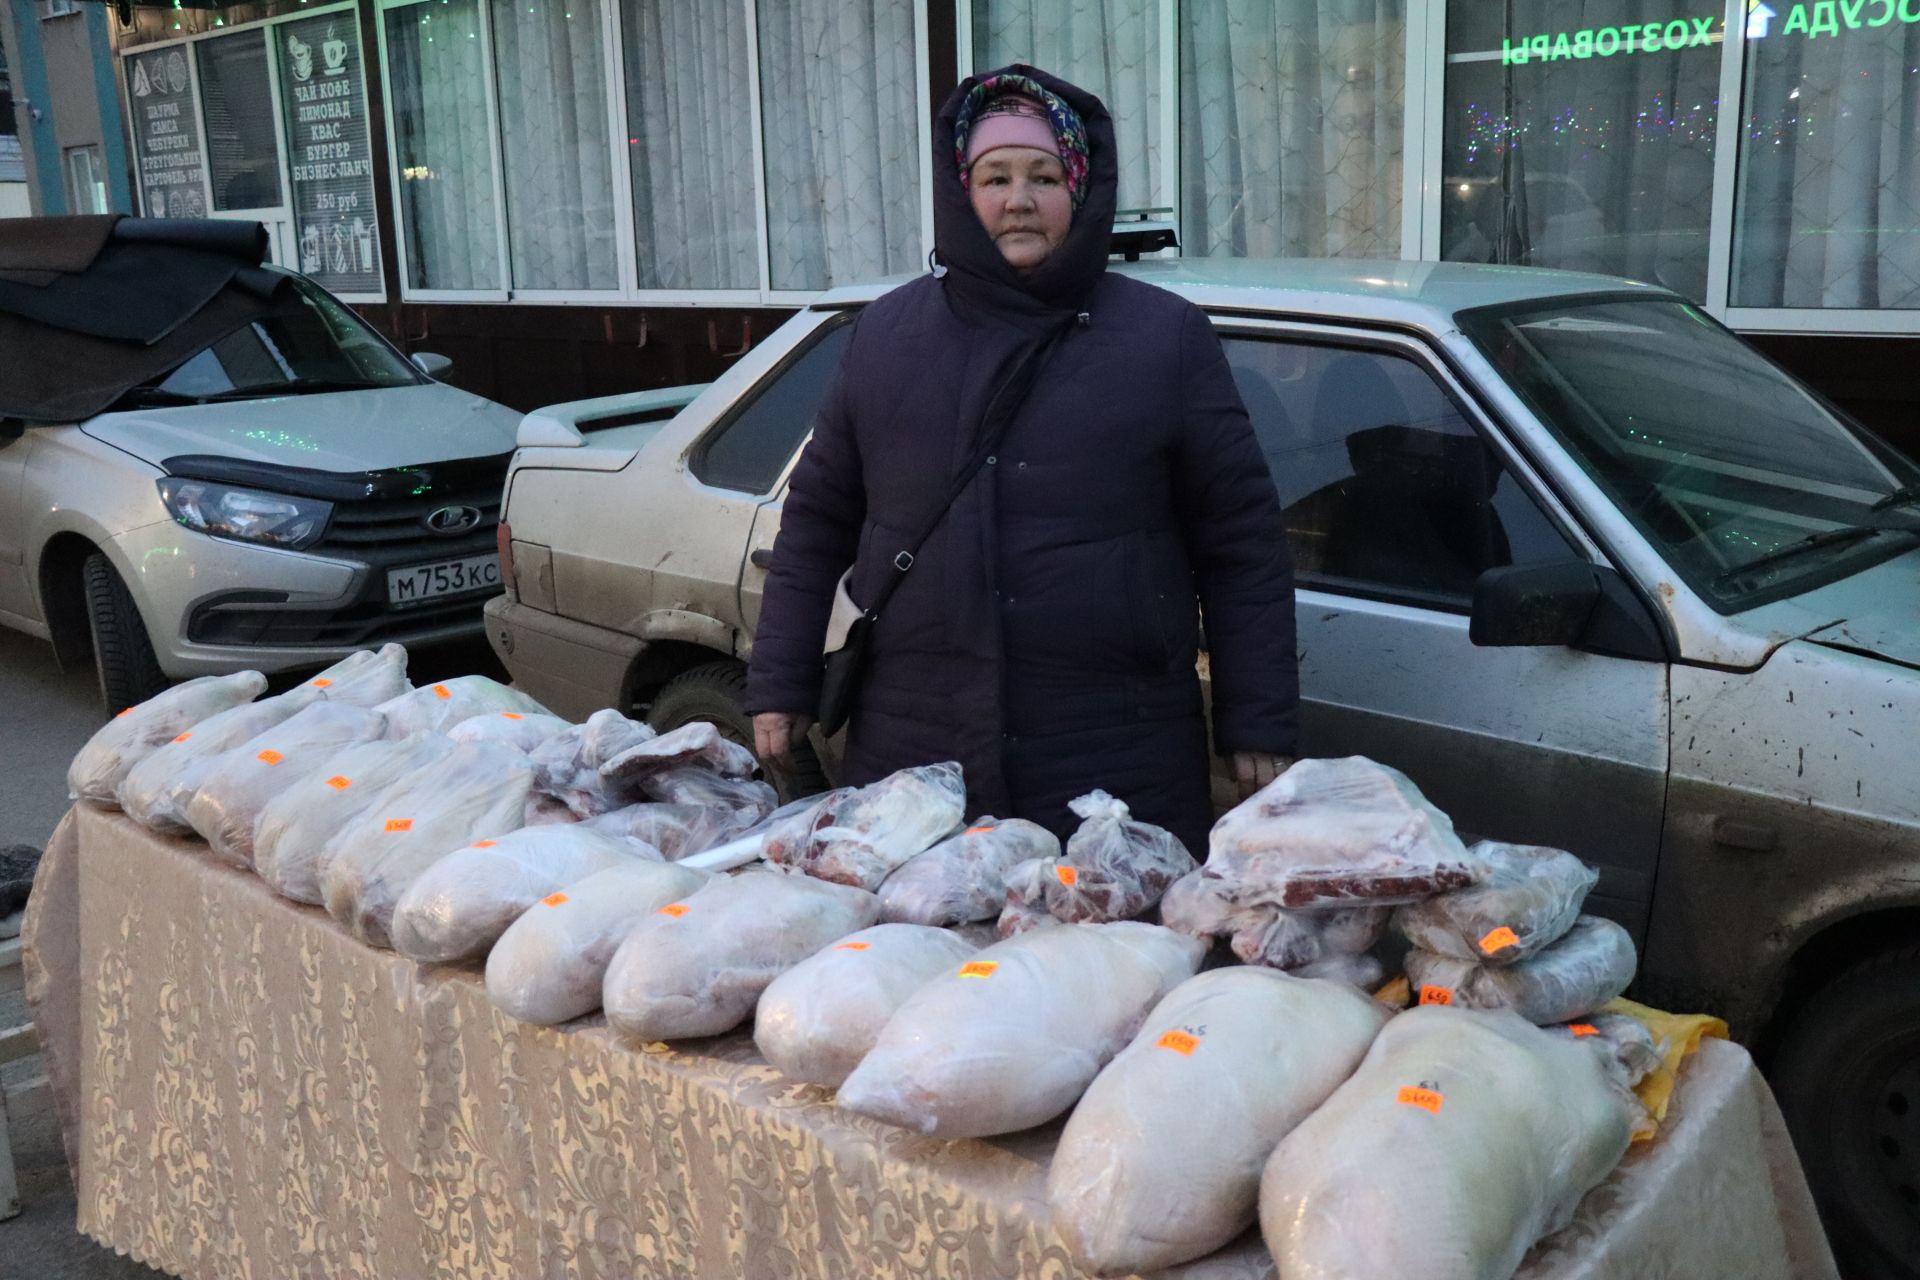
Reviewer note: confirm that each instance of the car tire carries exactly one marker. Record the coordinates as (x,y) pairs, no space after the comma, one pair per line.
(717,692)
(122,651)
(1847,1074)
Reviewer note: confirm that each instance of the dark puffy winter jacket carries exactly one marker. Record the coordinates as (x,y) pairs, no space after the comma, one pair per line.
(1047,634)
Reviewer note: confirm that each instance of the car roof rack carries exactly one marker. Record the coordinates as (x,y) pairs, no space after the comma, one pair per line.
(1140,231)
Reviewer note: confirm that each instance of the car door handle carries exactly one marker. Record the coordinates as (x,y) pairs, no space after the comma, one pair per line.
(761,558)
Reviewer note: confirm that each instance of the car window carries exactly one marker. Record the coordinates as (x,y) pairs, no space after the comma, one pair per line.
(309,338)
(1388,489)
(748,451)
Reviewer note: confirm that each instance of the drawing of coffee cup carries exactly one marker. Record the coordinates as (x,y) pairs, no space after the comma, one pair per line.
(302,57)
(334,50)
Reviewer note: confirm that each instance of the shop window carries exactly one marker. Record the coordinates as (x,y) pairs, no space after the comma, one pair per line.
(323,98)
(1828,206)
(748,451)
(86,181)
(690,141)
(1582,136)
(843,141)
(1387,489)
(166,134)
(442,147)
(1291,124)
(236,103)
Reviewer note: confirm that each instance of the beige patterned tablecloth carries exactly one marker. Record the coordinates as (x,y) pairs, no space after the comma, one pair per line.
(248,1092)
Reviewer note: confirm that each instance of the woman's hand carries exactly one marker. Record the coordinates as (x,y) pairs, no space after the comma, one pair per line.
(1252,770)
(777,733)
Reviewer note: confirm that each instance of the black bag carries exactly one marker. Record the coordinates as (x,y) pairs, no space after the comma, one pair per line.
(844,667)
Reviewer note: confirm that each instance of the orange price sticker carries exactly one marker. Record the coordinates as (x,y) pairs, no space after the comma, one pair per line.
(553,899)
(979,968)
(1178,1041)
(1067,875)
(1436,995)
(512,715)
(853,946)
(674,909)
(339,783)
(976,831)
(127,712)
(1499,940)
(1580,1029)
(269,757)
(1425,1099)
(485,844)
(320,682)
(441,691)
(183,737)
(399,824)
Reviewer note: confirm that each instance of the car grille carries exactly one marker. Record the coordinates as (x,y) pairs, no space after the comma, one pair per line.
(393,531)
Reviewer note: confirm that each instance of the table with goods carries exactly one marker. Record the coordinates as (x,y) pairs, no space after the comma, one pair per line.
(369,979)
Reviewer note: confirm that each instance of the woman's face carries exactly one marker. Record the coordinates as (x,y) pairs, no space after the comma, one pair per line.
(1020,196)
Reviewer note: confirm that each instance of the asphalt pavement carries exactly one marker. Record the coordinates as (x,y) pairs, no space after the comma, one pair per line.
(45,716)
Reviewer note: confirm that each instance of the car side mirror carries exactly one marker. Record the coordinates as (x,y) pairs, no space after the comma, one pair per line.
(1563,602)
(431,363)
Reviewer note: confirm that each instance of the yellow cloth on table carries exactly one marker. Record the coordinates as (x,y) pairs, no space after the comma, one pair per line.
(1677,1036)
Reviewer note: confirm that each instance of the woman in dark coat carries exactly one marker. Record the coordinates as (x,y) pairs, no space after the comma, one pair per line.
(1047,633)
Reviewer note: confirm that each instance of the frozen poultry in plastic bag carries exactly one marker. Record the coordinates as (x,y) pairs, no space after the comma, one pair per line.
(518,729)
(859,836)
(438,707)
(1590,965)
(1527,897)
(676,830)
(122,742)
(239,784)
(696,786)
(567,765)
(695,745)
(156,792)
(365,677)
(1114,867)
(964,877)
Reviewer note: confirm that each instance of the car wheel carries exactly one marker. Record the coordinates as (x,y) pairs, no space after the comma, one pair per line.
(1847,1074)
(717,692)
(122,651)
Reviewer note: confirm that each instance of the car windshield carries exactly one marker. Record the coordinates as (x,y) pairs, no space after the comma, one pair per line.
(311,343)
(1750,486)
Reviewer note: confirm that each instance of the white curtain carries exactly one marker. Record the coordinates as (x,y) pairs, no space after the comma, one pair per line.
(555,143)
(843,140)
(1290,127)
(690,127)
(437,82)
(1110,48)
(1829,206)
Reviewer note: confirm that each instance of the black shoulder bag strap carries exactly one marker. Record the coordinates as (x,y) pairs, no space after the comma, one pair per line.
(843,666)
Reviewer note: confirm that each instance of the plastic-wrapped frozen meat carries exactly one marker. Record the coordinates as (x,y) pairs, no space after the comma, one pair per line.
(364,678)
(1011,1038)
(676,830)
(1332,831)
(548,967)
(294,829)
(697,786)
(860,836)
(819,1018)
(964,877)
(1626,1045)
(1527,898)
(1461,1139)
(458,907)
(1283,939)
(1591,965)
(694,745)
(567,765)
(122,742)
(696,968)
(1115,867)
(524,730)
(239,784)
(1026,898)
(1362,971)
(478,790)
(1161,1160)
(438,707)
(156,792)
(1202,905)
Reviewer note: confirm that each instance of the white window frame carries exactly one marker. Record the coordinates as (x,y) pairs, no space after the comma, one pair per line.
(95,179)
(51,9)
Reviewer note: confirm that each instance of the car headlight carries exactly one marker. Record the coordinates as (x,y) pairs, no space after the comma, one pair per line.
(247,514)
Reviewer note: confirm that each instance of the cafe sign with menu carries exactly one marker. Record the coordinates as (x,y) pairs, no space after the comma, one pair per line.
(329,160)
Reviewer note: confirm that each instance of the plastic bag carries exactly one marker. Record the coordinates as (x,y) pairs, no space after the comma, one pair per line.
(1527,898)
(695,745)
(518,729)
(548,967)
(964,877)
(479,790)
(819,1018)
(1013,1037)
(458,907)
(122,742)
(1591,965)
(438,707)
(860,835)
(156,792)
(1202,905)
(567,765)
(1462,1138)
(696,968)
(676,830)
(1626,1046)
(784,833)
(1282,939)
(365,678)
(1362,971)
(1161,1160)
(707,789)
(1332,831)
(1115,867)
(292,835)
(239,784)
